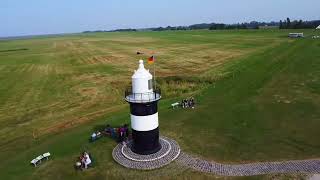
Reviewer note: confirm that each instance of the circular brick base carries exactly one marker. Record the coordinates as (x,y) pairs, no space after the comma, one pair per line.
(169,151)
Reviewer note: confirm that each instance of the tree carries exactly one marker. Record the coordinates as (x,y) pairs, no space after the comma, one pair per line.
(300,24)
(280,25)
(288,23)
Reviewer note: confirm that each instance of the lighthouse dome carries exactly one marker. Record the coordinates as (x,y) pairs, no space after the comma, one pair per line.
(141,72)
(141,80)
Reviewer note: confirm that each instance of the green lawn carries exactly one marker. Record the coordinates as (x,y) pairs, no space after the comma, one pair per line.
(258,96)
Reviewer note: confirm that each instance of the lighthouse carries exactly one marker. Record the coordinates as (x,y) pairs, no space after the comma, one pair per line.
(146,150)
(143,99)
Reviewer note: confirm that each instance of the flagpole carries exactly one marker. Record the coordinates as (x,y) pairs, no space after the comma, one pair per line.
(154,74)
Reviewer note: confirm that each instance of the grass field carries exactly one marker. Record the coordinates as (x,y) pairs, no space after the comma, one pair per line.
(258,96)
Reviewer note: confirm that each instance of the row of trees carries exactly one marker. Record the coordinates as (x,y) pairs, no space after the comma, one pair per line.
(122,30)
(298,24)
(286,24)
(116,30)
(169,28)
(283,24)
(215,26)
(251,25)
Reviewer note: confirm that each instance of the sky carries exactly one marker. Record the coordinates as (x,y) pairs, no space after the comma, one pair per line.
(33,17)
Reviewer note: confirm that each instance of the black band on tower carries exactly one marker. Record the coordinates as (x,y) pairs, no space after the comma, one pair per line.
(146,142)
(144,109)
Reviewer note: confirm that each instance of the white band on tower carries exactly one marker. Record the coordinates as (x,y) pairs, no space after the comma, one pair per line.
(144,123)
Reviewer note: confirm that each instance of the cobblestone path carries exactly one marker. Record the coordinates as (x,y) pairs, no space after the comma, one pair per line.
(299,166)
(169,151)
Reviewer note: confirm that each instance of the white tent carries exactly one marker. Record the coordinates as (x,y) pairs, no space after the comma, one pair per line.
(318,27)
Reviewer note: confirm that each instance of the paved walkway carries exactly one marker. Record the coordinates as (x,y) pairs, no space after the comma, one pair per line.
(303,166)
(169,151)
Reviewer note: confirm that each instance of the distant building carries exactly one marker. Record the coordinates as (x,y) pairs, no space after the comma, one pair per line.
(268,27)
(296,35)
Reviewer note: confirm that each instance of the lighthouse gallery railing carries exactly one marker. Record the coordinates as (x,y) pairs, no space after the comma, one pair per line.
(155,95)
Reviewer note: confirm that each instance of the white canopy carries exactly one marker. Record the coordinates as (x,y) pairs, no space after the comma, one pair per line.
(318,27)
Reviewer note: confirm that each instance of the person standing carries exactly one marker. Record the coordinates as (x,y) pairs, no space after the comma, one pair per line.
(126,129)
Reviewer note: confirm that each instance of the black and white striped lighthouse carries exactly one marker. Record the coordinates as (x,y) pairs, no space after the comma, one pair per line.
(143,99)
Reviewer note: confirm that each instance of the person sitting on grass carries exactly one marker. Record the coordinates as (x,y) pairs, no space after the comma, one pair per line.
(93,136)
(87,160)
(81,158)
(188,103)
(98,133)
(192,102)
(108,130)
(183,104)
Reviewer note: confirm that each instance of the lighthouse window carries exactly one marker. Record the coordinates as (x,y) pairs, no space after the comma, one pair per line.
(150,84)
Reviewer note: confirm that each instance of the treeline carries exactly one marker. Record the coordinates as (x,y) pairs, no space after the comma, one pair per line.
(250,25)
(174,28)
(116,30)
(286,24)
(298,24)
(217,26)
(122,30)
(97,31)
(282,24)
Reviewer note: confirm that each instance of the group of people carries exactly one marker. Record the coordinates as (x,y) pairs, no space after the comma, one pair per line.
(120,134)
(188,103)
(84,161)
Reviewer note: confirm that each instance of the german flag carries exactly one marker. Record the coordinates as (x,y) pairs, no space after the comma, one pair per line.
(151,60)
